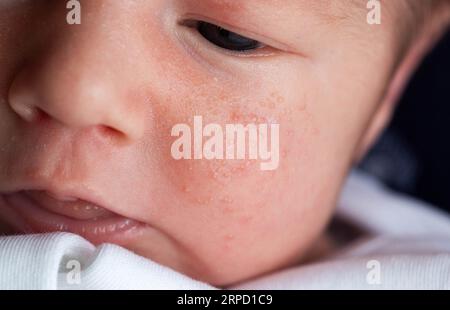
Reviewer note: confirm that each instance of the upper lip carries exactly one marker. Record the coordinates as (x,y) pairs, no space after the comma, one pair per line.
(79,192)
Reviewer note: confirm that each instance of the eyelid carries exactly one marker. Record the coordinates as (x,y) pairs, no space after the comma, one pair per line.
(190,20)
(259,51)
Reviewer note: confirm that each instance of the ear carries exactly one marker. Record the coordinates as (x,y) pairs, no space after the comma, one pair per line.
(413,58)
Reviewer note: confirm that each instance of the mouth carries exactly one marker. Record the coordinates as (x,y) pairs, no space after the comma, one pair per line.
(41,211)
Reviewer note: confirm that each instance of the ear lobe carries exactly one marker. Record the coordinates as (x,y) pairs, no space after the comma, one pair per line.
(414,56)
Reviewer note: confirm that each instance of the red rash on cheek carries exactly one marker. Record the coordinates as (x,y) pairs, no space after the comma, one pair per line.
(272,101)
(199,181)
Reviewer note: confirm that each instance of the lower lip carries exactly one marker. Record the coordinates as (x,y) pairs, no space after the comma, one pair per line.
(28,217)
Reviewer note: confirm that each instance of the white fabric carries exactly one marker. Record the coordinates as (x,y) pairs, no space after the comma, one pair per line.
(410,247)
(45,262)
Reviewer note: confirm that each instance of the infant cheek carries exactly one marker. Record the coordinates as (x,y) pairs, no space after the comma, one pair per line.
(225,183)
(216,183)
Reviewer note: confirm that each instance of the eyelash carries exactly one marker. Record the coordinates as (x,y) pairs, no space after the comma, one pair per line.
(250,46)
(226,39)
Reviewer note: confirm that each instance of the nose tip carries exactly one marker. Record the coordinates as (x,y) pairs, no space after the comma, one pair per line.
(85,102)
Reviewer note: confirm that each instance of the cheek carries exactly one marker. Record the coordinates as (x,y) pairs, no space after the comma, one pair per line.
(219,182)
(222,187)
(233,195)
(216,208)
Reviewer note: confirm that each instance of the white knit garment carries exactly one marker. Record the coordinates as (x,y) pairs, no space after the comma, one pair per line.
(410,249)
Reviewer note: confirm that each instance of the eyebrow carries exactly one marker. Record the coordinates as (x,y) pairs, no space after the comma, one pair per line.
(335,11)
(330,11)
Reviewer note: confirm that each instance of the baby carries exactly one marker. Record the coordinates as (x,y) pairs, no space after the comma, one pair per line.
(90,114)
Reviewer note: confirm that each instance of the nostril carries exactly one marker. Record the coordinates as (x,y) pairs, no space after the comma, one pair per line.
(27,112)
(110,132)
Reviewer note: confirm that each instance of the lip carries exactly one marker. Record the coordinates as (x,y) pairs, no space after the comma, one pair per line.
(43,211)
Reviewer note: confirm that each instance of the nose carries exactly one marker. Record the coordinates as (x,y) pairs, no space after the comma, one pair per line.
(79,83)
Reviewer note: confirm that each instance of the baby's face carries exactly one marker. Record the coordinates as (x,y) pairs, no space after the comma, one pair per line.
(87,111)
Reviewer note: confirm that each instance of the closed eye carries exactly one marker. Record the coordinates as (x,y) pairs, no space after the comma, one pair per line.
(226,39)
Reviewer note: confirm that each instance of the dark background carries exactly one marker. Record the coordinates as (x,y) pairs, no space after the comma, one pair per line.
(413,155)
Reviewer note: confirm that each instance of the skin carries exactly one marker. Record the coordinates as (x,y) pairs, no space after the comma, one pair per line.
(113,87)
